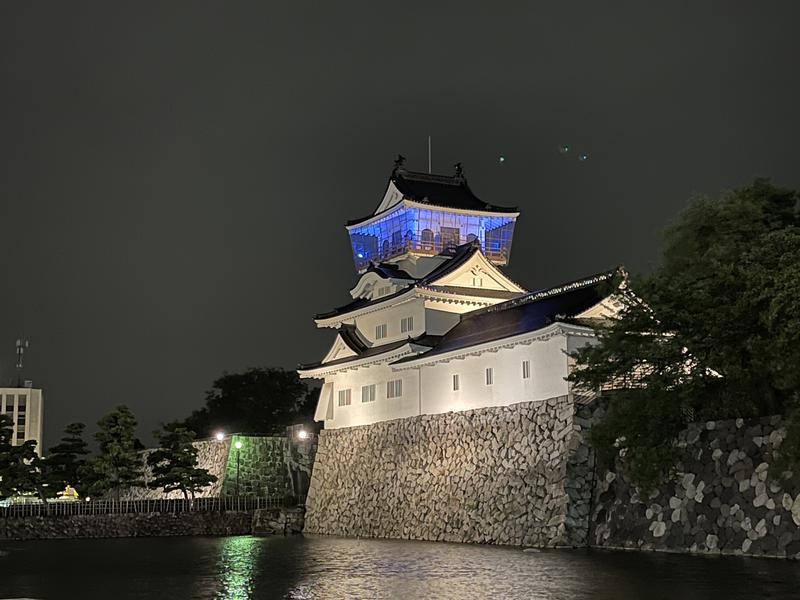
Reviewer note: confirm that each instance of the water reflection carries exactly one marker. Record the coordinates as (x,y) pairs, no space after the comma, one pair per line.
(326,568)
(240,558)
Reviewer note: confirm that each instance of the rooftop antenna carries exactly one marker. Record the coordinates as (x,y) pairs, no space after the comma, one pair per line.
(22,344)
(429,155)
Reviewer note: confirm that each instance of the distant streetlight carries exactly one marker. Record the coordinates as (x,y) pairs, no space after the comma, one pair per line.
(302,434)
(238,447)
(220,435)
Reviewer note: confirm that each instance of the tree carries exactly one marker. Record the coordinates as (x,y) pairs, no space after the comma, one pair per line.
(66,459)
(712,333)
(118,465)
(174,463)
(256,401)
(22,472)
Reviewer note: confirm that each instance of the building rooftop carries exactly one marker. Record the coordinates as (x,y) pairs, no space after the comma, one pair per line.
(524,314)
(437,190)
(461,255)
(374,351)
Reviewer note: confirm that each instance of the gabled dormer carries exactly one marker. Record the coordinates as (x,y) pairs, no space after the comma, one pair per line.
(348,343)
(427,215)
(470,268)
(380,280)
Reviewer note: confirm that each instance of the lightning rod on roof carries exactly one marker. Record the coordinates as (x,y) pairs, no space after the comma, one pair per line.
(429,155)
(22,344)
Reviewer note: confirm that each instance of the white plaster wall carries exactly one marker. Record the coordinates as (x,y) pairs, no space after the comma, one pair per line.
(548,370)
(549,367)
(382,408)
(391,316)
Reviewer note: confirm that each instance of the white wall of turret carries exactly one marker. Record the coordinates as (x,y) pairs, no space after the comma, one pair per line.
(392,317)
(524,372)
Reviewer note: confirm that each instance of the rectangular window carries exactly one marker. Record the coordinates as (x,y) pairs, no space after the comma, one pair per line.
(477,282)
(451,237)
(489,376)
(394,389)
(380,331)
(344,397)
(456,383)
(22,400)
(406,324)
(526,369)
(368,393)
(9,402)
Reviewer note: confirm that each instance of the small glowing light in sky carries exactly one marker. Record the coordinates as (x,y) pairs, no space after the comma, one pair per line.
(583,157)
(220,436)
(302,434)
(502,159)
(563,149)
(238,445)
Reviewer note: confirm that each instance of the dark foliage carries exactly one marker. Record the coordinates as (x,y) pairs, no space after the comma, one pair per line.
(712,333)
(255,401)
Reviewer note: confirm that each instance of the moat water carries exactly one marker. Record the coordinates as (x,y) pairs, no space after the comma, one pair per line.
(331,568)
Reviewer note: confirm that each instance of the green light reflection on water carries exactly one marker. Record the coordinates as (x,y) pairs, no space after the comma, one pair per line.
(239,557)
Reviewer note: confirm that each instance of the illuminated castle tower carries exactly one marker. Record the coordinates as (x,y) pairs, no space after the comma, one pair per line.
(423,215)
(434,325)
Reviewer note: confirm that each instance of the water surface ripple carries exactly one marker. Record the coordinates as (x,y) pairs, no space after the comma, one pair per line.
(310,567)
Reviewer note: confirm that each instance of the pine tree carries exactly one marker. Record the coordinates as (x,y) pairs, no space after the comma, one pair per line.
(174,464)
(119,465)
(21,470)
(66,458)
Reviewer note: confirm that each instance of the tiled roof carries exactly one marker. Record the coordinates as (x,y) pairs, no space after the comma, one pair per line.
(438,190)
(375,351)
(527,313)
(462,254)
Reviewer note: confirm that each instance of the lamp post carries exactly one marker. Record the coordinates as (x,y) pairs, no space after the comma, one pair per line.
(220,436)
(238,447)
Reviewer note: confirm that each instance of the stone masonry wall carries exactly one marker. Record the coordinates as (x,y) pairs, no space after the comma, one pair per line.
(126,525)
(263,521)
(265,463)
(211,455)
(727,498)
(495,475)
(262,470)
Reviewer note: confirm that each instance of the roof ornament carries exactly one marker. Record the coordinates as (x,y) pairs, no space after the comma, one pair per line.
(398,163)
(459,172)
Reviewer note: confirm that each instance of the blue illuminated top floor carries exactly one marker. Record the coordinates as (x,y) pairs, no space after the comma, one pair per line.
(425,214)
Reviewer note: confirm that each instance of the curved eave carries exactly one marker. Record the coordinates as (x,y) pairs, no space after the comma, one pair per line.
(493,211)
(413,292)
(545,333)
(320,371)
(334,318)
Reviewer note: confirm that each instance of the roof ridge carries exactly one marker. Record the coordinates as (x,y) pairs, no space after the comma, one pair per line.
(537,295)
(432,177)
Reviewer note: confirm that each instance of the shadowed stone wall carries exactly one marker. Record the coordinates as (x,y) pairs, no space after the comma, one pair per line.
(727,498)
(495,475)
(267,467)
(264,521)
(262,467)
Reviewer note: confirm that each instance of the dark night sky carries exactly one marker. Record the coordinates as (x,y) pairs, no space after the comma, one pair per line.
(174,176)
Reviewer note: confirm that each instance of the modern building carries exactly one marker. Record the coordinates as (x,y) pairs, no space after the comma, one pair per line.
(25,407)
(434,324)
